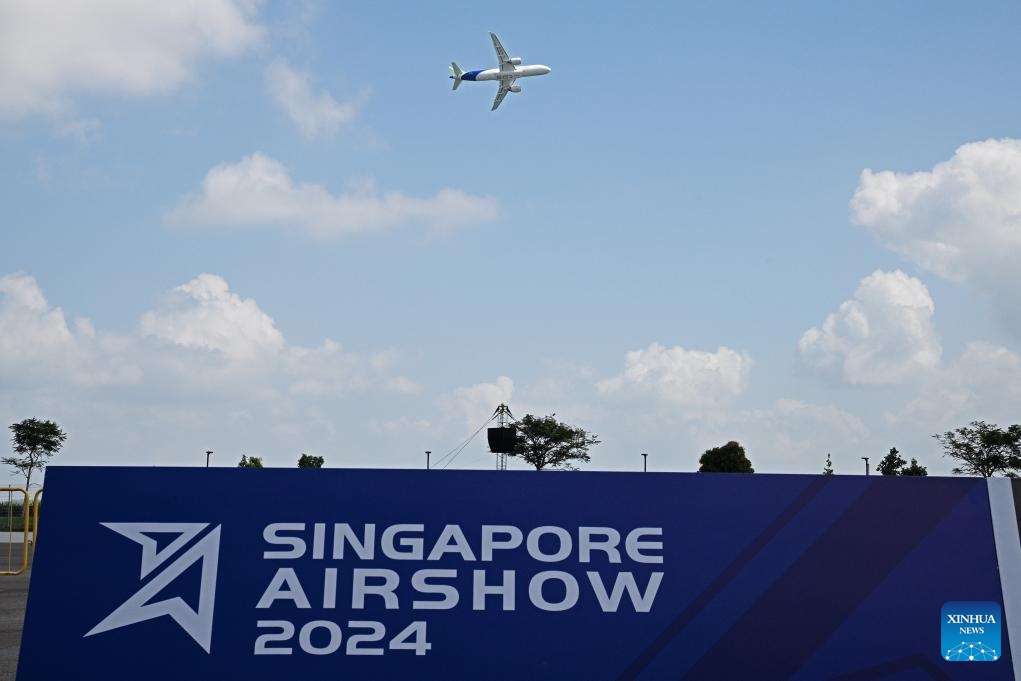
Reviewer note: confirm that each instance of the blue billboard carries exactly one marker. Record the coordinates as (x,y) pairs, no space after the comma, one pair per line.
(171,573)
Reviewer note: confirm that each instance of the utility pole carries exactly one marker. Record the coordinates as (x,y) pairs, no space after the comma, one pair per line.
(209,453)
(427,453)
(645,462)
(866,460)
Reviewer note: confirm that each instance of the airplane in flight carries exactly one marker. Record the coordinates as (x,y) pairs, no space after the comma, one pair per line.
(509,70)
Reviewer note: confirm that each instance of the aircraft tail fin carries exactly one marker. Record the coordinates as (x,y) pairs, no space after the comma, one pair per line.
(456,70)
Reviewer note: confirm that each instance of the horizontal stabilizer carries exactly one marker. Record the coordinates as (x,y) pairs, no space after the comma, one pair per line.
(456,70)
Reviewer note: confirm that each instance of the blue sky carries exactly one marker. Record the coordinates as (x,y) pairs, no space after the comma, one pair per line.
(272,228)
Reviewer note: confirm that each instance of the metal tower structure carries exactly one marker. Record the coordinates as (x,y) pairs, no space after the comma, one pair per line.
(503,419)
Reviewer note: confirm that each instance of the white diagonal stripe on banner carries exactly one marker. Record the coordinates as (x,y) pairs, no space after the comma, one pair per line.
(1008,556)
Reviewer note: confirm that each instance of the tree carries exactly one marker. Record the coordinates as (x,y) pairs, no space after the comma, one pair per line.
(307,461)
(983,449)
(730,458)
(891,463)
(34,442)
(828,469)
(250,462)
(894,464)
(544,442)
(914,469)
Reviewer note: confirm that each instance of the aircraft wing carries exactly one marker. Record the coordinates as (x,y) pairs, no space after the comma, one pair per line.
(501,54)
(505,86)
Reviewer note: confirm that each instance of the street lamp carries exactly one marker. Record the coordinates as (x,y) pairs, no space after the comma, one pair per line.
(209,452)
(427,453)
(645,462)
(866,460)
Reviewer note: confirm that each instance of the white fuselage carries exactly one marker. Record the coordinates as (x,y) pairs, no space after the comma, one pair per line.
(516,72)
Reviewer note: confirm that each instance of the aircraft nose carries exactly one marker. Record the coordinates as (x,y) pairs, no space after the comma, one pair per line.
(546,70)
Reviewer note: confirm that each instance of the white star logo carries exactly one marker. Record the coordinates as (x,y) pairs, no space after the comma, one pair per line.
(197,624)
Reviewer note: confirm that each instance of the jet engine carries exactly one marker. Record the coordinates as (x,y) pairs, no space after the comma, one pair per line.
(515,88)
(516,61)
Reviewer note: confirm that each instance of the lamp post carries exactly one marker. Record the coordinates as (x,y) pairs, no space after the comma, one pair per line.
(866,460)
(427,453)
(208,454)
(645,462)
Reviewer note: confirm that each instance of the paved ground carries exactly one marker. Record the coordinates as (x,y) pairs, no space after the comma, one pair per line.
(13,594)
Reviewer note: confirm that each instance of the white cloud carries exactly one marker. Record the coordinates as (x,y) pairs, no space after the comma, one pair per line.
(51,48)
(992,365)
(313,114)
(790,436)
(961,220)
(691,378)
(208,368)
(884,336)
(563,388)
(27,322)
(201,339)
(325,370)
(205,369)
(984,383)
(258,191)
(203,313)
(798,426)
(37,346)
(476,403)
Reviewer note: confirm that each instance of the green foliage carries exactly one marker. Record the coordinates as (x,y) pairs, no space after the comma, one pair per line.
(34,442)
(730,458)
(544,442)
(892,463)
(828,468)
(983,449)
(14,515)
(914,469)
(250,462)
(307,461)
